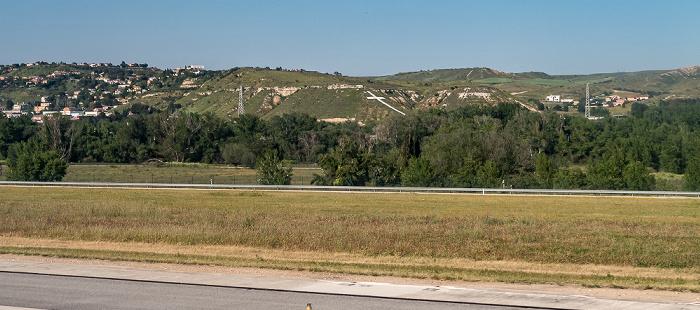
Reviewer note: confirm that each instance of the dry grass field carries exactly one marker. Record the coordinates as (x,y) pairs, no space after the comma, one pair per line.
(593,241)
(177,173)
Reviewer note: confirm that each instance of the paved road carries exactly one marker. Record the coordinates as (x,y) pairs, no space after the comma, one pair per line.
(44,285)
(67,292)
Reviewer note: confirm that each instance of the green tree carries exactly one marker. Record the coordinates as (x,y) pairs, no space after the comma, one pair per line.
(571,178)
(489,175)
(691,178)
(638,109)
(13,130)
(616,171)
(637,177)
(237,154)
(606,173)
(419,174)
(671,154)
(180,135)
(387,171)
(270,170)
(249,129)
(545,171)
(347,164)
(33,161)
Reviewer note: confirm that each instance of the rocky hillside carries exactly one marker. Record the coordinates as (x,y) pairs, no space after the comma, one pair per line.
(271,92)
(687,72)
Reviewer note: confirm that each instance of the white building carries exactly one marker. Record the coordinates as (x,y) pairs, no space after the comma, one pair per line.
(554,98)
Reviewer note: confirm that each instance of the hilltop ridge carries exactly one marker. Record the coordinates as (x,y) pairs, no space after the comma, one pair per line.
(684,72)
(457,75)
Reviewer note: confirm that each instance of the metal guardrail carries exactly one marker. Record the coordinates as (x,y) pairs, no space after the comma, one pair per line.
(482,191)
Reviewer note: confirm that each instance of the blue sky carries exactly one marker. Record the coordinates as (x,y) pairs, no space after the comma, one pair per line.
(358,38)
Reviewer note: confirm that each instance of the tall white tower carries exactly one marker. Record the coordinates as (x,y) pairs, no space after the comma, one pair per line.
(241,106)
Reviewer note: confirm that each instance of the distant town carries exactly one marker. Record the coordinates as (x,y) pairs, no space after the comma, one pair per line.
(100,90)
(609,100)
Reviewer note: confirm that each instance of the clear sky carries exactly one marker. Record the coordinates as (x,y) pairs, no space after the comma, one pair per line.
(358,37)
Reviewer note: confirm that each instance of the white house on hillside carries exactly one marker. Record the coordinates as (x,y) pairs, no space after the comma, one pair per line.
(555,98)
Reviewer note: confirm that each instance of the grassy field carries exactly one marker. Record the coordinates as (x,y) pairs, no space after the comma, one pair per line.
(221,174)
(543,82)
(184,174)
(596,241)
(493,81)
(565,82)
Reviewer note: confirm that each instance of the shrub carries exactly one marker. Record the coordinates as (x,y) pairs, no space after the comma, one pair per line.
(33,161)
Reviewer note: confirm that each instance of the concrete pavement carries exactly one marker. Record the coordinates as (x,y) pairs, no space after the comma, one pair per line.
(519,298)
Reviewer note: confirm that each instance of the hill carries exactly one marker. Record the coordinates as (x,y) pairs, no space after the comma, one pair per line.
(461,75)
(664,84)
(274,92)
(269,92)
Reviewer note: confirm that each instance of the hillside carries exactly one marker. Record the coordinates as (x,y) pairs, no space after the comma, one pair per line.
(461,75)
(270,92)
(664,84)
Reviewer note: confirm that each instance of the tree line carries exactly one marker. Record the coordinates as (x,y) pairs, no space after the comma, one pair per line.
(474,146)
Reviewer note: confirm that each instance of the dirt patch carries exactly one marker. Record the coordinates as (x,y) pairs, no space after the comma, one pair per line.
(337,120)
(189,83)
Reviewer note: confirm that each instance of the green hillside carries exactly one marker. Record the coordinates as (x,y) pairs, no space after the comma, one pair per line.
(659,84)
(270,92)
(460,75)
(275,92)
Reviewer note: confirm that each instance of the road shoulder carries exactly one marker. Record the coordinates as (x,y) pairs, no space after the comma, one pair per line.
(386,287)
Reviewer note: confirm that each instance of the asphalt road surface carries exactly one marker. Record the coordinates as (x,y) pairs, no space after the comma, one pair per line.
(67,292)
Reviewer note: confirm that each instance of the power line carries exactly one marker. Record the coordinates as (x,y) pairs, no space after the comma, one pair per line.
(241,105)
(588,103)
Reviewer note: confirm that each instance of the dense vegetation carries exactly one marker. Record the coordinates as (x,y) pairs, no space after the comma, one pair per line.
(475,146)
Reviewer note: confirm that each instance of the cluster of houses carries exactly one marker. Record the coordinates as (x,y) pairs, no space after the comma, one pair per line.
(42,109)
(40,79)
(17,110)
(114,89)
(618,101)
(193,69)
(91,64)
(125,85)
(609,100)
(40,112)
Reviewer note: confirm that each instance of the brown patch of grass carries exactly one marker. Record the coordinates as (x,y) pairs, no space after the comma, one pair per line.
(176,173)
(350,258)
(461,270)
